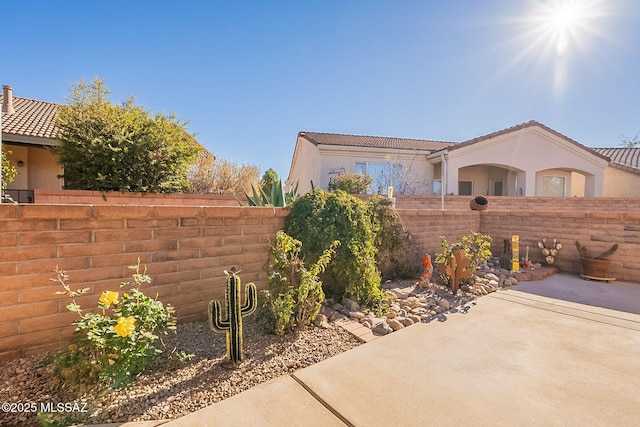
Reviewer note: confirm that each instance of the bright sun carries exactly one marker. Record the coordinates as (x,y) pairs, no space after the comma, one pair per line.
(565,23)
(553,33)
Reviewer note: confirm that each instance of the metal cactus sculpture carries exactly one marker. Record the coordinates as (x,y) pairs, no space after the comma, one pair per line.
(231,321)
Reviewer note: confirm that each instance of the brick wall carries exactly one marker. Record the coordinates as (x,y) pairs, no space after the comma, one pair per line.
(429,225)
(507,203)
(186,249)
(596,230)
(76,197)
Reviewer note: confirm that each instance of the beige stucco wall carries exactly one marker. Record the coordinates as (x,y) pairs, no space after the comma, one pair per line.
(418,172)
(619,183)
(305,166)
(39,170)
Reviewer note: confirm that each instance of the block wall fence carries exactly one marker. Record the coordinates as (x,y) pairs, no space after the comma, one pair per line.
(186,249)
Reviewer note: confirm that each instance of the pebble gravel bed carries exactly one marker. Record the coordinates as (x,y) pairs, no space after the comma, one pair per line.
(171,388)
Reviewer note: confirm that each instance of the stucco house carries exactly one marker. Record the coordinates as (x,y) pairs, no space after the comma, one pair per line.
(28,132)
(529,159)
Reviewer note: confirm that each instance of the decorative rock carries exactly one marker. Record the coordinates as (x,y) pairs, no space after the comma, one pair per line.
(321,321)
(493,282)
(444,304)
(399,293)
(390,315)
(491,276)
(419,311)
(405,321)
(337,306)
(415,318)
(395,324)
(382,328)
(366,322)
(357,315)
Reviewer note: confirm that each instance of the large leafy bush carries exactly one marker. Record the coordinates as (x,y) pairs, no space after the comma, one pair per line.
(108,147)
(317,219)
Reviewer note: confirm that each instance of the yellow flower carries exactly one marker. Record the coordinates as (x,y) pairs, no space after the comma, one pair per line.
(125,326)
(73,347)
(108,298)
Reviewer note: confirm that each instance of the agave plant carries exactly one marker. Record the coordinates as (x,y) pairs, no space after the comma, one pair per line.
(278,197)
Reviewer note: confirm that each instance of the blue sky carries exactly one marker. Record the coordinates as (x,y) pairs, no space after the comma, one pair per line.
(249,75)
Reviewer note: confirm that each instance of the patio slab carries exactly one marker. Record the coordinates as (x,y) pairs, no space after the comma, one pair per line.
(514,358)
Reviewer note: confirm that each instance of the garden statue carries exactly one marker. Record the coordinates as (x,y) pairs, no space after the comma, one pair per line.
(231,321)
(427,271)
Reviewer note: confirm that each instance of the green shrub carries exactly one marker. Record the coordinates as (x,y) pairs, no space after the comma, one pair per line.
(352,183)
(399,254)
(118,341)
(295,293)
(317,219)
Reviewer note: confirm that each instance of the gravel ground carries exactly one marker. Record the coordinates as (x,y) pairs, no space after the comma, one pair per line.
(171,388)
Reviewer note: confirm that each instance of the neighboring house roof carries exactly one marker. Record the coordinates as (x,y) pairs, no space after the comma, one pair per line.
(627,159)
(524,125)
(317,138)
(31,118)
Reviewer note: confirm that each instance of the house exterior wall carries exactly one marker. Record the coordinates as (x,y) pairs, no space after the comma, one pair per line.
(529,151)
(40,169)
(418,172)
(305,167)
(619,183)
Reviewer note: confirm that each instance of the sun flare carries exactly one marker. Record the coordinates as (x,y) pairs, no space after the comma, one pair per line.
(554,34)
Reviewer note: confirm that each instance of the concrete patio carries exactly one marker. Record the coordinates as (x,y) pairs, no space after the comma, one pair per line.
(557,352)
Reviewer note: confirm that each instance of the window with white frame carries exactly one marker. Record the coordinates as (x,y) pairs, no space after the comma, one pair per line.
(384,175)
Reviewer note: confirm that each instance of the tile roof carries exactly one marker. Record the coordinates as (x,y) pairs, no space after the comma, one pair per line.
(31,118)
(317,138)
(623,158)
(524,125)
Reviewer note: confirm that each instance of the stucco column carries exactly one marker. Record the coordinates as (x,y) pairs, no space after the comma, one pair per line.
(452,179)
(594,185)
(530,183)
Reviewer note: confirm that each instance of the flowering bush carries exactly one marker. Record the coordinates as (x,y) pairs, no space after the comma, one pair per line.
(118,341)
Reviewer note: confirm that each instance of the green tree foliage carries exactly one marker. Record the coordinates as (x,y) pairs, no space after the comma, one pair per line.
(317,219)
(211,175)
(268,179)
(352,183)
(9,172)
(108,147)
